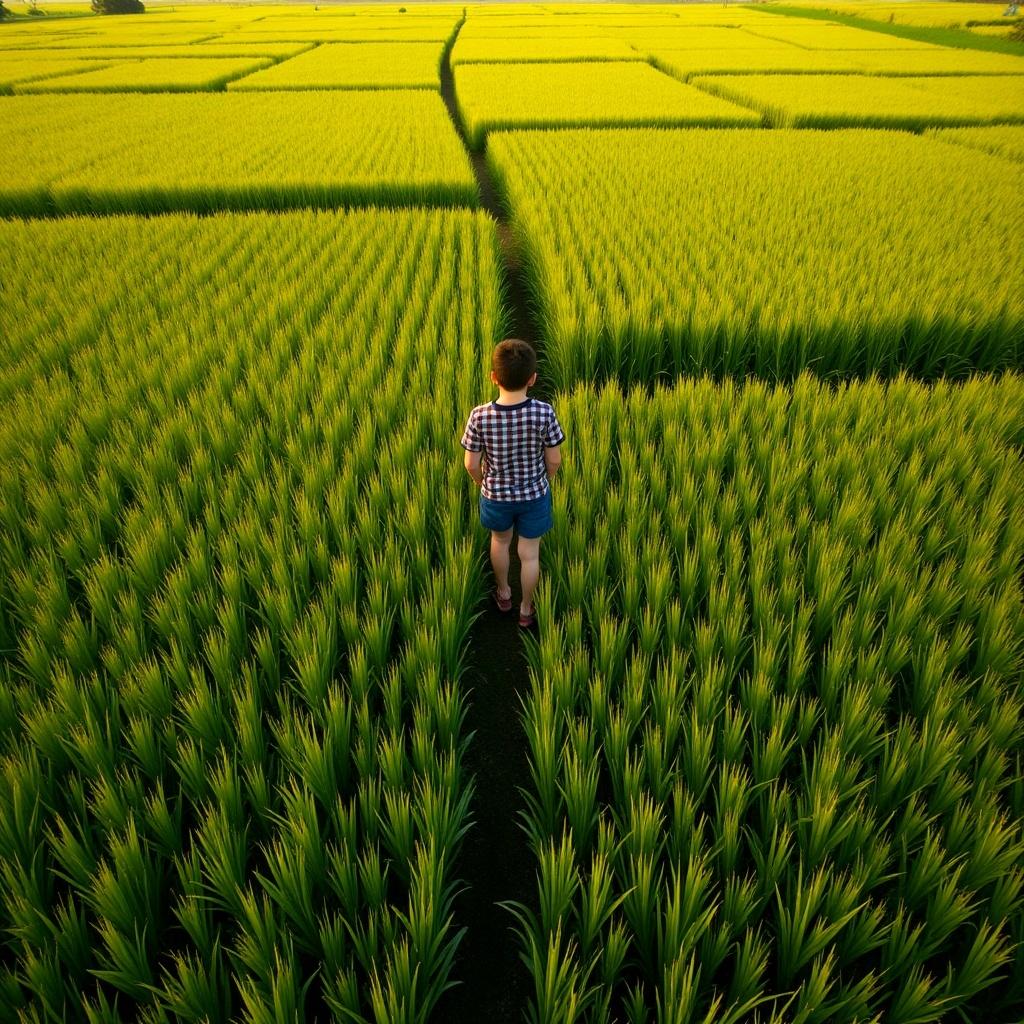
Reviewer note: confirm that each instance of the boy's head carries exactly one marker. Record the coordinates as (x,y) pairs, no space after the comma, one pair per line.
(514,364)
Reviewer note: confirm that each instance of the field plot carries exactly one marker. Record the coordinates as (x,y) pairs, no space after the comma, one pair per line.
(764,252)
(995,31)
(138,36)
(231,697)
(493,97)
(228,151)
(354,65)
(123,53)
(685,64)
(775,713)
(1004,140)
(163,74)
(840,101)
(350,29)
(726,39)
(816,35)
(939,61)
(28,69)
(928,15)
(515,49)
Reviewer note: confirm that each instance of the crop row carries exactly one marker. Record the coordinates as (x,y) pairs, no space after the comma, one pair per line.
(209,152)
(664,252)
(233,605)
(775,716)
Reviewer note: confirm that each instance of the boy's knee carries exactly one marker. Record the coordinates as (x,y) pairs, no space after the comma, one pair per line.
(502,537)
(528,549)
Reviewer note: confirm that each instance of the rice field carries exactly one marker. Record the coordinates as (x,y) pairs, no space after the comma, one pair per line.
(583,203)
(823,36)
(781,672)
(159,74)
(207,152)
(504,50)
(840,101)
(492,97)
(926,14)
(354,66)
(1004,140)
(689,63)
(263,780)
(269,752)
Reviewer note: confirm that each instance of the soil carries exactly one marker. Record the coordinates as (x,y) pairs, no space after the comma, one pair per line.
(496,863)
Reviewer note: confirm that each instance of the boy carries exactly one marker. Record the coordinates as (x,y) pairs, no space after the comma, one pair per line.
(512,451)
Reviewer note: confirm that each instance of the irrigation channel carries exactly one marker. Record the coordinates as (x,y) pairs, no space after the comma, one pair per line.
(496,863)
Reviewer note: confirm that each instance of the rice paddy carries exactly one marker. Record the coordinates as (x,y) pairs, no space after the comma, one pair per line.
(501,96)
(583,203)
(268,751)
(354,66)
(207,152)
(839,101)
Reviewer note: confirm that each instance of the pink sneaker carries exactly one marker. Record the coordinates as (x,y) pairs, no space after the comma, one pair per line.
(504,603)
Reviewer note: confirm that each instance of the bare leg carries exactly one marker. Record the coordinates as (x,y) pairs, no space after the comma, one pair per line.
(529,572)
(500,543)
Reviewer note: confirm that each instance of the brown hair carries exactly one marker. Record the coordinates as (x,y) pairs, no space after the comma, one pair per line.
(514,362)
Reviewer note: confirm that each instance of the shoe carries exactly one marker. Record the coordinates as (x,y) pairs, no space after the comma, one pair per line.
(527,620)
(504,603)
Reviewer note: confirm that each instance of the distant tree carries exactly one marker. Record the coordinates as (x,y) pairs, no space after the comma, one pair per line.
(3,11)
(118,6)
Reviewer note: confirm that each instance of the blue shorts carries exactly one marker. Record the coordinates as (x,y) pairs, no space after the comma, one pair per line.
(532,518)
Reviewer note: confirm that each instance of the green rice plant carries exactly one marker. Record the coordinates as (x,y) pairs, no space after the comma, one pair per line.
(492,97)
(353,66)
(157,74)
(846,101)
(822,821)
(582,202)
(208,152)
(217,801)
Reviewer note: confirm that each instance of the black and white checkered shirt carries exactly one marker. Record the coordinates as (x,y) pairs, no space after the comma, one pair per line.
(513,438)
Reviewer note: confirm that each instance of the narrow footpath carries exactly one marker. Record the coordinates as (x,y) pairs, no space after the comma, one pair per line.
(496,863)
(522,319)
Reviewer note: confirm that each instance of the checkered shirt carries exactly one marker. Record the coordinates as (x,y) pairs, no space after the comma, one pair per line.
(513,438)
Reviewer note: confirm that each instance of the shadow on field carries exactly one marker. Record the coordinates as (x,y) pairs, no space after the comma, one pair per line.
(496,863)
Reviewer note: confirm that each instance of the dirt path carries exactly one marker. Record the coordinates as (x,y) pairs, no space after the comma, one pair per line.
(496,863)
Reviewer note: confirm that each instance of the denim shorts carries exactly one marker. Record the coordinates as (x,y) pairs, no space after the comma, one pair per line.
(532,518)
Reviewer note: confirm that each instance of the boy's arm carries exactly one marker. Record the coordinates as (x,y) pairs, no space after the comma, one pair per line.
(474,466)
(552,459)
(553,445)
(474,445)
